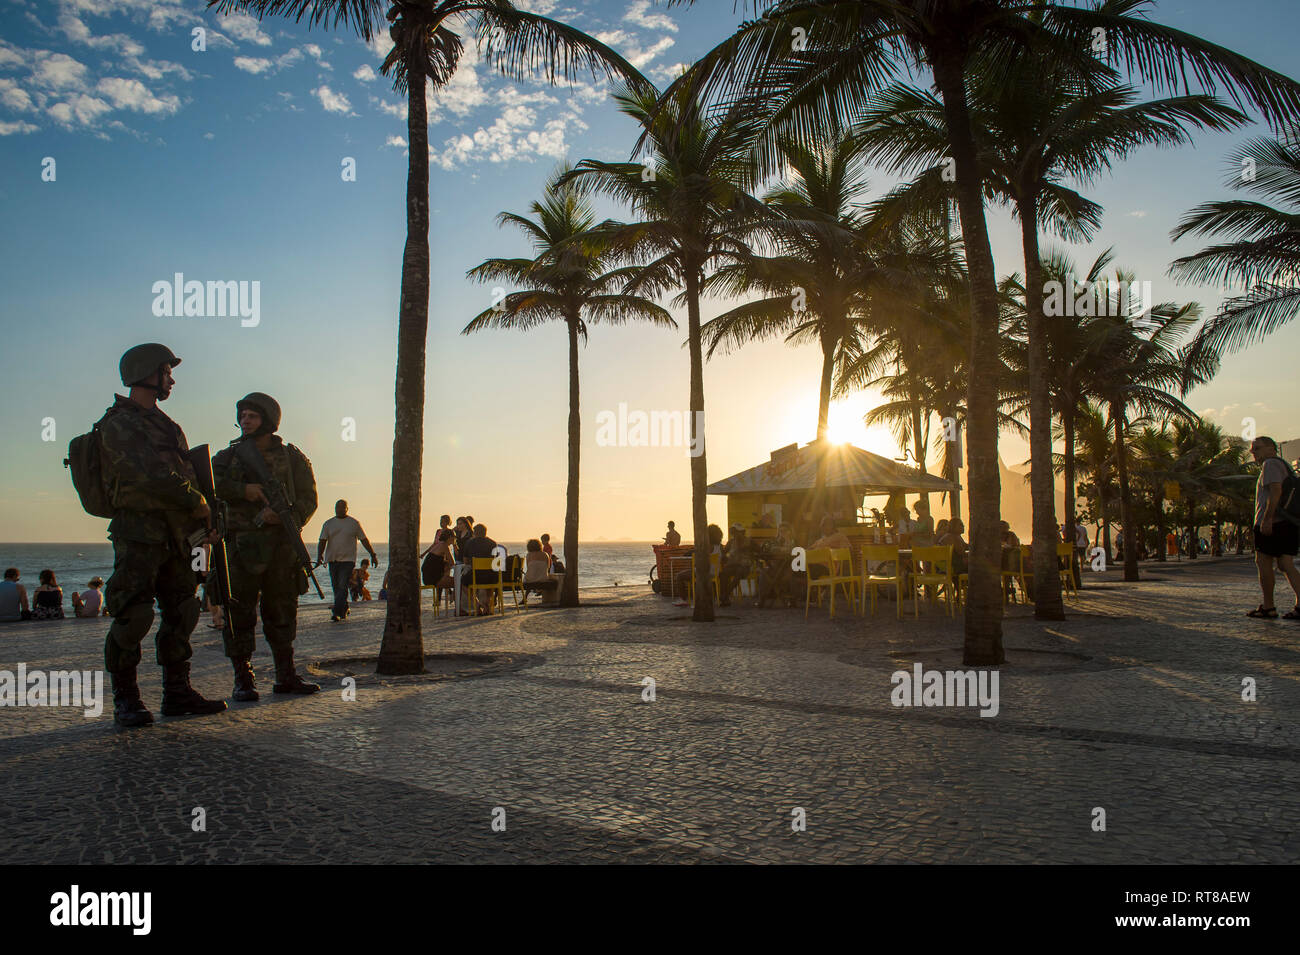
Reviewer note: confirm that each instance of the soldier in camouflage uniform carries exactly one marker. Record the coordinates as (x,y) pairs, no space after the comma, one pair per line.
(262,561)
(155,505)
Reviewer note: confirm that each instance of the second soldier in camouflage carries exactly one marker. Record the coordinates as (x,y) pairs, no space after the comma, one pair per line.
(263,568)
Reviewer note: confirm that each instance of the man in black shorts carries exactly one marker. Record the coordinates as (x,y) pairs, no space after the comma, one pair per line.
(1276,538)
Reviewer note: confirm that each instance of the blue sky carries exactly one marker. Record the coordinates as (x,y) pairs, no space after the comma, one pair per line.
(225,164)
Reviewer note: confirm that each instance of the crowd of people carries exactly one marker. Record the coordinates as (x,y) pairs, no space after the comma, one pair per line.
(448,563)
(767,557)
(46,600)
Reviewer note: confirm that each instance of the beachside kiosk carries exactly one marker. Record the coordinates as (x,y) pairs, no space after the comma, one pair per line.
(782,489)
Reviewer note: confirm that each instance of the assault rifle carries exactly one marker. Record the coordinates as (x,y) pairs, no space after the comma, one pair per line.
(217,574)
(246,450)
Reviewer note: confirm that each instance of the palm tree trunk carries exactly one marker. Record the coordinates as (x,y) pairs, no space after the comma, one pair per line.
(951,464)
(983,643)
(402,649)
(569,592)
(823,426)
(1047,582)
(1068,475)
(919,443)
(703,612)
(1131,532)
(1193,542)
(1159,501)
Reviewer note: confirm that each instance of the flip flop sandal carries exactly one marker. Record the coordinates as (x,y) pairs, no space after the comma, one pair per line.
(1263,613)
(1292,614)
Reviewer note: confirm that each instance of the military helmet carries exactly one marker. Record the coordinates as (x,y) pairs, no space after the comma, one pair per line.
(264,405)
(143,360)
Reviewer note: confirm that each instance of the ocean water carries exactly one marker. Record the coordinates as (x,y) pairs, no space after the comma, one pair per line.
(603,564)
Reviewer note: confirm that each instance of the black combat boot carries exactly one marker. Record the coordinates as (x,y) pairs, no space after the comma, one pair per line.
(245,682)
(181,699)
(128,710)
(287,679)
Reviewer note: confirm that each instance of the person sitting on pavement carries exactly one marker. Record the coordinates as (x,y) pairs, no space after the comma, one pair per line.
(48,598)
(13,598)
(90,603)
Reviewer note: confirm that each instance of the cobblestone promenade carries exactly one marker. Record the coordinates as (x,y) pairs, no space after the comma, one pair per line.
(1133,704)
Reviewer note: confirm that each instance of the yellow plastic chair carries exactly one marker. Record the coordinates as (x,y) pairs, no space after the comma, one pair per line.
(1018,573)
(498,588)
(438,597)
(882,553)
(1065,552)
(939,574)
(839,564)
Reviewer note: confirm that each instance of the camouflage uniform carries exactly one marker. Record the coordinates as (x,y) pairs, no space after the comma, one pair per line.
(154,493)
(262,562)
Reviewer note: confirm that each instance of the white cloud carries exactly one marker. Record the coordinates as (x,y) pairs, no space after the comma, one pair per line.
(333,102)
(1137,214)
(638,13)
(395,141)
(8,129)
(639,57)
(58,71)
(252,64)
(84,109)
(10,55)
(668,72)
(315,53)
(631,48)
(365,73)
(135,96)
(245,29)
(14,96)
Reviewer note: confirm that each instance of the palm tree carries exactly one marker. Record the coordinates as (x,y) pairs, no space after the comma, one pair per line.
(1139,363)
(694,214)
(1265,255)
(808,65)
(1153,452)
(427,45)
(566,281)
(821,279)
(1210,469)
(1095,463)
(1037,126)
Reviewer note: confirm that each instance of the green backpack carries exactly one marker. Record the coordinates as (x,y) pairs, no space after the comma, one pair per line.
(85,462)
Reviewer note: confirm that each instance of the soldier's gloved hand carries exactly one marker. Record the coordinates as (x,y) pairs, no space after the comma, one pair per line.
(254,492)
(214,536)
(269,516)
(202,512)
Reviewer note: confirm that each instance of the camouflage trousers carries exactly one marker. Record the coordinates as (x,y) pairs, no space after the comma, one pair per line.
(141,573)
(264,576)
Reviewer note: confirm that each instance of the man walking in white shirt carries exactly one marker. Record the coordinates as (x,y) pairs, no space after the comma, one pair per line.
(338,545)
